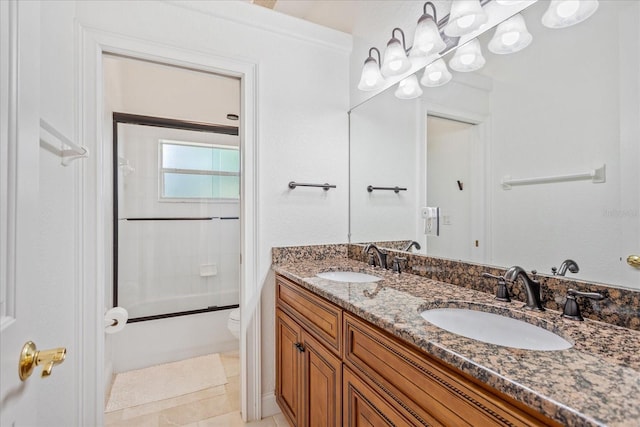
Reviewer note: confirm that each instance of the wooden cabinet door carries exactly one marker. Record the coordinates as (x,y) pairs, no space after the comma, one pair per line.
(322,385)
(289,368)
(363,406)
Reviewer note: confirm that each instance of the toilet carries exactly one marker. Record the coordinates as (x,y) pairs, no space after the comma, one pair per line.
(234,323)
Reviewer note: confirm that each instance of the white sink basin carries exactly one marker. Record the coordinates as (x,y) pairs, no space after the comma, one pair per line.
(348,276)
(495,329)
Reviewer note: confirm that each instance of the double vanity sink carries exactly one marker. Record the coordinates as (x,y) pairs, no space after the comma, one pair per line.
(477,324)
(576,373)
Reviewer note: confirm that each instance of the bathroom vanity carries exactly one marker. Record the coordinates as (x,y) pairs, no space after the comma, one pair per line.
(360,354)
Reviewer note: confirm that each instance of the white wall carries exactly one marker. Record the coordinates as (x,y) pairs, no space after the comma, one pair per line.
(302,121)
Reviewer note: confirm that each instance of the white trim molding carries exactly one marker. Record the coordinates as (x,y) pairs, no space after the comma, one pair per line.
(253,16)
(96,187)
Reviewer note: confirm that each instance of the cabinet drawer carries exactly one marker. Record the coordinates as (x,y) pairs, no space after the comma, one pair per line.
(318,316)
(364,407)
(433,392)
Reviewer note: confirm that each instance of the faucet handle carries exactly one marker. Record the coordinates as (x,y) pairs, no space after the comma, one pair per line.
(372,260)
(571,309)
(502,293)
(399,263)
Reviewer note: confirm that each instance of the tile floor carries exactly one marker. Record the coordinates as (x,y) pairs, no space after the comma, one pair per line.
(213,407)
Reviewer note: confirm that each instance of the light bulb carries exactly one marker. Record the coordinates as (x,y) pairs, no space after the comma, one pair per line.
(510,38)
(371,78)
(465,17)
(435,74)
(409,88)
(565,13)
(467,58)
(395,65)
(395,60)
(567,8)
(466,21)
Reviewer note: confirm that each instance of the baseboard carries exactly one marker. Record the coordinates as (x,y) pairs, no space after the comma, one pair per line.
(269,405)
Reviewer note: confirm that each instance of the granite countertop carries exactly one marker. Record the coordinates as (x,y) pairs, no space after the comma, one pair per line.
(594,383)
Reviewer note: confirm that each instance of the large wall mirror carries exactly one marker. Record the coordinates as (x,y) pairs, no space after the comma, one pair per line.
(563,109)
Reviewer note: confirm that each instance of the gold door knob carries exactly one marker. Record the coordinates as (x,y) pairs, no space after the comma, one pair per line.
(30,357)
(634,261)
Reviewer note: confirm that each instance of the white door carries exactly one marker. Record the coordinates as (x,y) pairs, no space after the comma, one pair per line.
(628,213)
(37,300)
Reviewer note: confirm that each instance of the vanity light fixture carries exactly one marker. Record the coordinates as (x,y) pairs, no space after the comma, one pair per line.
(435,74)
(409,88)
(465,16)
(511,36)
(427,40)
(395,56)
(565,13)
(468,57)
(371,78)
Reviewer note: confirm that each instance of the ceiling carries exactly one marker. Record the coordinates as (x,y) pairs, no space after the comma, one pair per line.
(337,14)
(354,16)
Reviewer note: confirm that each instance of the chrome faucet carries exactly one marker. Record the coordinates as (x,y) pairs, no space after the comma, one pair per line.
(411,244)
(531,287)
(567,264)
(380,254)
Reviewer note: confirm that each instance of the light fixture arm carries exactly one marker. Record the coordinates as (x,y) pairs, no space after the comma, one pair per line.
(425,14)
(393,36)
(378,52)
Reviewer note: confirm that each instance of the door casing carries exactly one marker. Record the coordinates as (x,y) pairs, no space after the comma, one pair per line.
(95,190)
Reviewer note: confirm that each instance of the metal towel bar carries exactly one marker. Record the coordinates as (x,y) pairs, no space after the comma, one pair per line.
(395,189)
(324,186)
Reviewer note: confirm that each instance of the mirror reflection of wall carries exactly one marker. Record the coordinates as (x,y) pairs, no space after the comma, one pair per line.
(449,187)
(568,103)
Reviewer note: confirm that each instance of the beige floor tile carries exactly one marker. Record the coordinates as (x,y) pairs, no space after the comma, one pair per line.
(233,392)
(280,420)
(113,417)
(161,405)
(267,422)
(149,420)
(195,411)
(213,407)
(231,363)
(233,419)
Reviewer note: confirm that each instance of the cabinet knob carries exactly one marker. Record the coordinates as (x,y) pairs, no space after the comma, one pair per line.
(634,261)
(300,347)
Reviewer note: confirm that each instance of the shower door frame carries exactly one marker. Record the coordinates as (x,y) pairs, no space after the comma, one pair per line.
(161,122)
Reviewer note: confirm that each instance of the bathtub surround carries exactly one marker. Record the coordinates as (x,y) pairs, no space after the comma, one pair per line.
(607,357)
(621,307)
